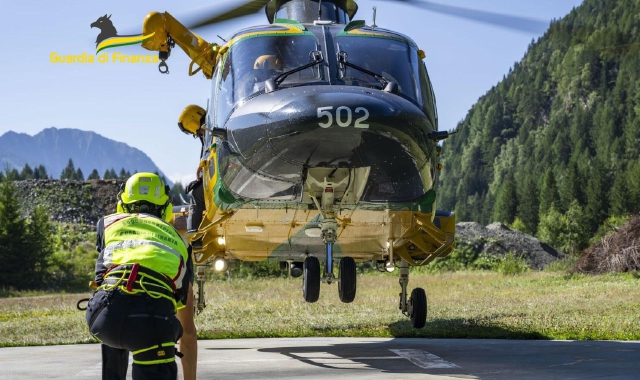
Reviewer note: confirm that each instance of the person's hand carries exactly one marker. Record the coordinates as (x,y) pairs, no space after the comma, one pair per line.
(199,170)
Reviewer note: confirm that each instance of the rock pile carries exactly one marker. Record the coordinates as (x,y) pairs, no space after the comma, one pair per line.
(498,239)
(70,201)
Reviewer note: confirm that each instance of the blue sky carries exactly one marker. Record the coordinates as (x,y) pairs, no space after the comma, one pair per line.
(135,104)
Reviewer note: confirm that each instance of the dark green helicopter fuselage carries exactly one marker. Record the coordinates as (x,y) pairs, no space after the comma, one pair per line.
(363,98)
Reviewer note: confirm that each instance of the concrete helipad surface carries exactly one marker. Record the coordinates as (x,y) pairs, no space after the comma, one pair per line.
(358,358)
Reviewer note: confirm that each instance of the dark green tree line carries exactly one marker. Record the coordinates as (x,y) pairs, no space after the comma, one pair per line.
(25,243)
(559,134)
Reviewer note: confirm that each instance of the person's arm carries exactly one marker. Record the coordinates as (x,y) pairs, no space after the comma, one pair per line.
(100,269)
(188,344)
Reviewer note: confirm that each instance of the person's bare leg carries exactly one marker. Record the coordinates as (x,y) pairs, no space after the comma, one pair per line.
(188,344)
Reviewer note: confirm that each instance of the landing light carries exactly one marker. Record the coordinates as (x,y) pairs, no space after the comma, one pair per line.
(389,266)
(220,264)
(221,241)
(313,232)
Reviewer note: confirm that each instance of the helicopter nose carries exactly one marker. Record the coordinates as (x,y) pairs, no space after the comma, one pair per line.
(325,126)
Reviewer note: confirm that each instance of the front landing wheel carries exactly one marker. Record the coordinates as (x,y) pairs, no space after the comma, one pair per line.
(311,279)
(418,305)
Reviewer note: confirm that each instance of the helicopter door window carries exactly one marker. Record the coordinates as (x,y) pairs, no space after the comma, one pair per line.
(394,60)
(429,98)
(250,62)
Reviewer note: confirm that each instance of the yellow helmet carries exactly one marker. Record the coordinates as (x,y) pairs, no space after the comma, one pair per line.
(191,119)
(269,62)
(145,193)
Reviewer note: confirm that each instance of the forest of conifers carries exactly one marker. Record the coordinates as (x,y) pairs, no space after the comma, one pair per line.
(555,146)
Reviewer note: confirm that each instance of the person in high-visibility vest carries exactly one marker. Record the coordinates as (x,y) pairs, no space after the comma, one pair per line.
(144,275)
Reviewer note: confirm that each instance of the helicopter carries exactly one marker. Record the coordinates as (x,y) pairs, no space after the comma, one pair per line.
(321,147)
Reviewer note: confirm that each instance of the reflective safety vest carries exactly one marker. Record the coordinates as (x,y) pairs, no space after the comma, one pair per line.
(146,240)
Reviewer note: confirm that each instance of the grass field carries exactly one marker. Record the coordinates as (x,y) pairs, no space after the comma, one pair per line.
(532,305)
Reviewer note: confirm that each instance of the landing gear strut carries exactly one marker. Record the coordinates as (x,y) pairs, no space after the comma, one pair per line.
(200,303)
(416,306)
(328,226)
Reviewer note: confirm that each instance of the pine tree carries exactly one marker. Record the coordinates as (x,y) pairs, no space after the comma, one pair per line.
(26,173)
(12,174)
(528,206)
(621,199)
(597,194)
(577,233)
(572,188)
(41,246)
(123,174)
(41,172)
(549,196)
(94,175)
(507,203)
(79,175)
(13,240)
(69,173)
(110,174)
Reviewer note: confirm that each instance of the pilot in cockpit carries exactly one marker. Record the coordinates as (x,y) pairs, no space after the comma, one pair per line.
(265,66)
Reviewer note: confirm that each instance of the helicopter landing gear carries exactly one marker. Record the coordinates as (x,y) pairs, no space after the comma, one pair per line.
(416,306)
(328,226)
(311,279)
(347,281)
(200,303)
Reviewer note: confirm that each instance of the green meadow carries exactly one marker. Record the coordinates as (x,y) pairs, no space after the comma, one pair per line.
(466,304)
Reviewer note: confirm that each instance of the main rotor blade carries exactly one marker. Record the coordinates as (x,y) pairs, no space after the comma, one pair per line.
(227,13)
(522,24)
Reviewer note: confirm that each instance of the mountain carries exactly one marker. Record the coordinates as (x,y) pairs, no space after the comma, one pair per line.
(53,148)
(558,139)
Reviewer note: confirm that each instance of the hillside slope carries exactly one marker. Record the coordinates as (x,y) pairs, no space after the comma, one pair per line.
(562,127)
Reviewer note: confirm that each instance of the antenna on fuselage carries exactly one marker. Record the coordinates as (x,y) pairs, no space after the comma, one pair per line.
(320,10)
(374,17)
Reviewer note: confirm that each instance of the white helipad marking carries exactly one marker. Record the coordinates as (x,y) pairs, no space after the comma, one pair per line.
(94,371)
(423,359)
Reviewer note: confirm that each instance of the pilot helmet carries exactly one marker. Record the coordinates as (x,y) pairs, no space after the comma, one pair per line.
(191,119)
(267,62)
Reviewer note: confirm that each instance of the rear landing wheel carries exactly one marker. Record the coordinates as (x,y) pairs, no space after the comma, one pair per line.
(347,283)
(311,279)
(418,305)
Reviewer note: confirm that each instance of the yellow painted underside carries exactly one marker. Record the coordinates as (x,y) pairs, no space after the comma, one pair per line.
(363,234)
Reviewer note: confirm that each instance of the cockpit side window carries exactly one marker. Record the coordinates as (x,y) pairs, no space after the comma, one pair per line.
(393,59)
(428,96)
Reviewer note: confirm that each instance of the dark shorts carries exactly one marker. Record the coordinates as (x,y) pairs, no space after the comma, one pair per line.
(132,322)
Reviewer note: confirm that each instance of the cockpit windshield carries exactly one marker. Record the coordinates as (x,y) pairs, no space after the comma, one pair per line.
(394,60)
(250,62)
